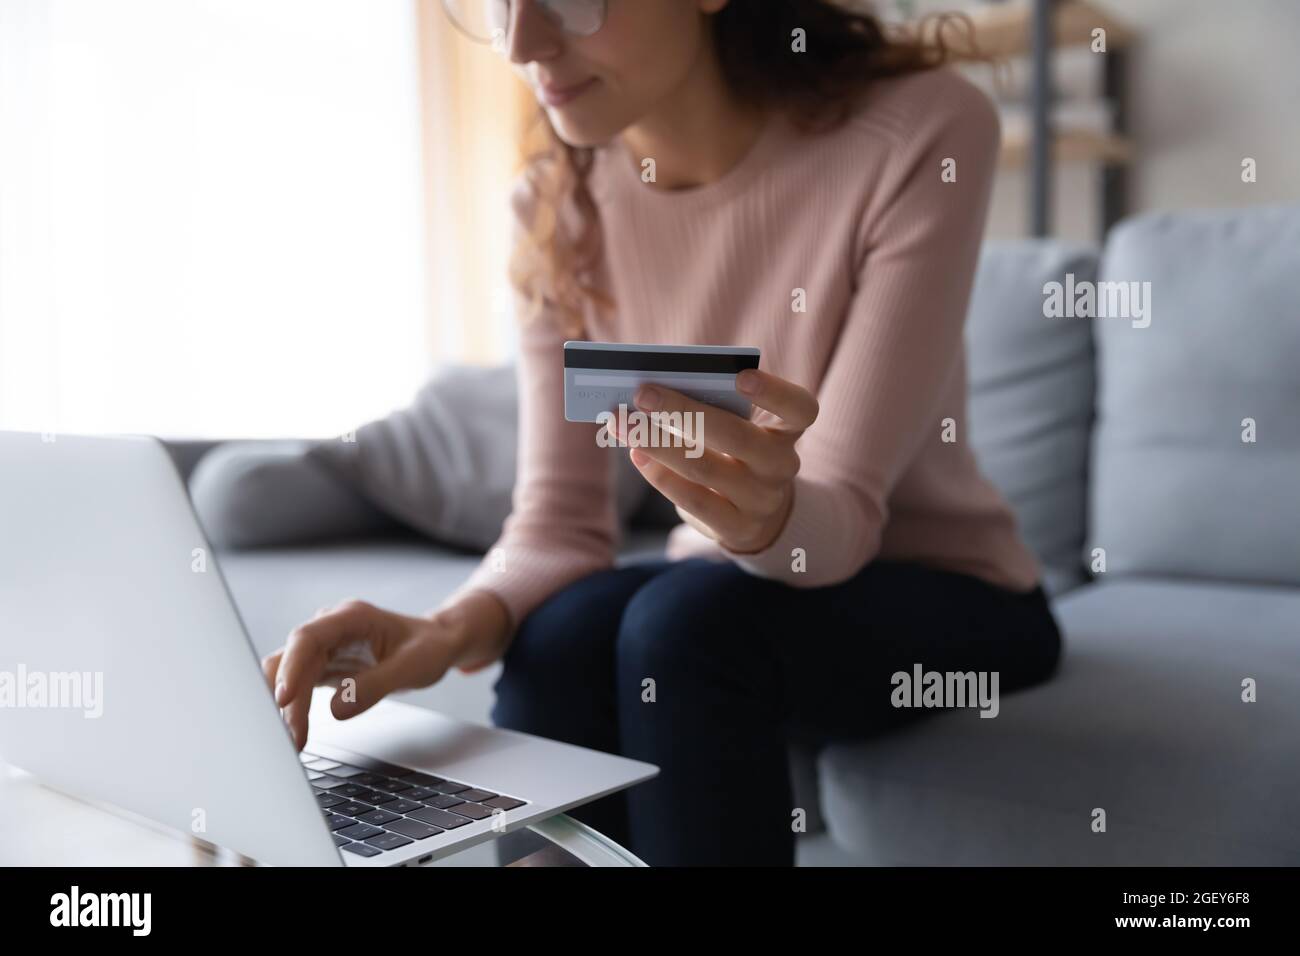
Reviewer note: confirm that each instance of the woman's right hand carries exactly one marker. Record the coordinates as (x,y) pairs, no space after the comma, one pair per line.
(405,653)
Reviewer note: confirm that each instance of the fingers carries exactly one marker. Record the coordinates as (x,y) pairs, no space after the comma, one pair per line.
(696,523)
(709,507)
(296,714)
(722,430)
(271,666)
(302,662)
(308,648)
(767,451)
(794,405)
(359,692)
(418,661)
(295,719)
(728,476)
(413,664)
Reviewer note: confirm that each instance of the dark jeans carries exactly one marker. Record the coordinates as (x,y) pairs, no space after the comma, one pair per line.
(741,666)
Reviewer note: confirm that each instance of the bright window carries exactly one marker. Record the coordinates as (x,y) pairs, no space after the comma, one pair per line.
(211,215)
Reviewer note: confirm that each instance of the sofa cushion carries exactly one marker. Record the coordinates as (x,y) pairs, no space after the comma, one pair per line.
(1031,396)
(1144,720)
(1176,490)
(445,464)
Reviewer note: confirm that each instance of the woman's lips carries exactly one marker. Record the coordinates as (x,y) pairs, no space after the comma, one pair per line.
(559,95)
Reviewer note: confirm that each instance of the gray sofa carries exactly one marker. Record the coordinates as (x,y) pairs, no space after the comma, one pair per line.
(1170,543)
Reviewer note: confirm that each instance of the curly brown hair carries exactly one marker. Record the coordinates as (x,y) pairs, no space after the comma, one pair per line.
(846,49)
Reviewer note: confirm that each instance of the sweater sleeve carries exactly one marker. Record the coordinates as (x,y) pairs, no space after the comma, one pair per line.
(562,524)
(900,345)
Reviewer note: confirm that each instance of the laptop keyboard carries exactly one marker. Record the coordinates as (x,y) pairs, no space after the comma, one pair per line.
(372,811)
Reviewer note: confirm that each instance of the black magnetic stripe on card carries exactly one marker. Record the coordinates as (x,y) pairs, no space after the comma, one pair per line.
(658,361)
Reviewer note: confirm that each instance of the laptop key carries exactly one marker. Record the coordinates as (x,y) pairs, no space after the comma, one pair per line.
(503,803)
(347,773)
(321,764)
(347,790)
(419,793)
(443,801)
(377,818)
(439,818)
(389,841)
(402,806)
(326,800)
(360,831)
(336,822)
(368,779)
(328,783)
(373,796)
(340,841)
(392,786)
(413,829)
(472,810)
(422,779)
(451,786)
(386,769)
(360,849)
(474,795)
(352,809)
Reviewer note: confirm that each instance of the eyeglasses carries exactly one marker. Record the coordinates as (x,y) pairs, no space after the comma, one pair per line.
(488,21)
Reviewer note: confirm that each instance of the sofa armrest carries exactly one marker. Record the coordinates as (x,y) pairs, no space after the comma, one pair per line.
(186,452)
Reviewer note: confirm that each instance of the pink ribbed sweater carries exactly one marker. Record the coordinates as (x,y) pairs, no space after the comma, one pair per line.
(861,220)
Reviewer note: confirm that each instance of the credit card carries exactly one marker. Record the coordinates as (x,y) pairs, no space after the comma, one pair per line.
(600,376)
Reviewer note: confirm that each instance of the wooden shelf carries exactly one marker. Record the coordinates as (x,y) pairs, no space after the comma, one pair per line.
(999,32)
(1069,146)
(1002,30)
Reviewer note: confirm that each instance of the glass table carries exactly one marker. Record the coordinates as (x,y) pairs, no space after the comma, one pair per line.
(570,843)
(108,837)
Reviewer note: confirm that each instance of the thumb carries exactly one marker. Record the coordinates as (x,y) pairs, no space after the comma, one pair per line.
(358,692)
(404,668)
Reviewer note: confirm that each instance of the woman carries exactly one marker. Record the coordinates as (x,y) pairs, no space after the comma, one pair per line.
(772,174)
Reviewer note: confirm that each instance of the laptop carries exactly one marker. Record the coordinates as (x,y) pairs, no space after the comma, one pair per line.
(127,678)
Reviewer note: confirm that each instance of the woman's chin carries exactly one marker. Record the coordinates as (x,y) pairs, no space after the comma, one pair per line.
(579,130)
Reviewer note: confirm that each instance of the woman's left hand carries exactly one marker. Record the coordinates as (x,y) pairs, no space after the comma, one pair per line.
(740,489)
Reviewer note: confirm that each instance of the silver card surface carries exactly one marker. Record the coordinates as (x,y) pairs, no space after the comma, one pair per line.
(600,376)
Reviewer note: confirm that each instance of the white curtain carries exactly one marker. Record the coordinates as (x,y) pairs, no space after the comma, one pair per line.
(211,215)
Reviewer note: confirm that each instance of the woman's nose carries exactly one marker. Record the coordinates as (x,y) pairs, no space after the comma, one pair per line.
(531,34)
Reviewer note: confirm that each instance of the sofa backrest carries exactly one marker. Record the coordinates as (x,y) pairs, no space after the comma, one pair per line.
(1031,386)
(1196,452)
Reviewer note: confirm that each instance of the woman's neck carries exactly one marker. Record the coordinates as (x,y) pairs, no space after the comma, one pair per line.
(697,134)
